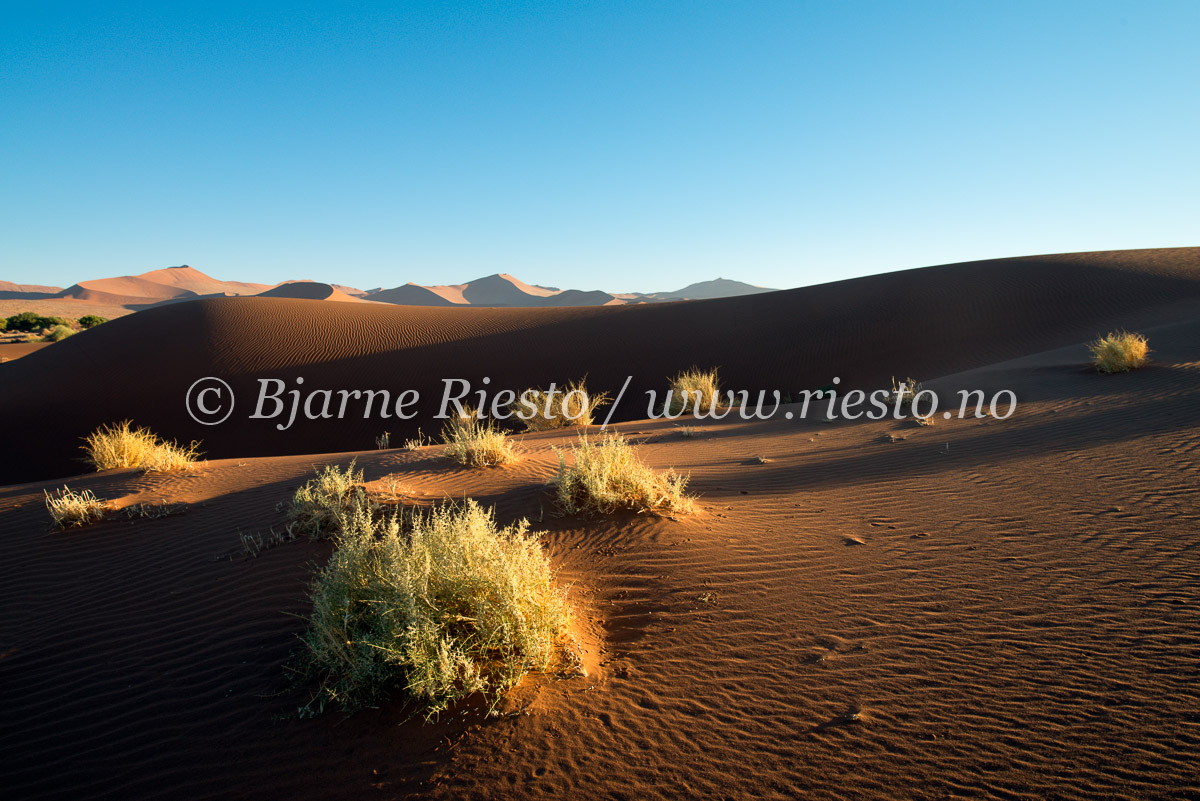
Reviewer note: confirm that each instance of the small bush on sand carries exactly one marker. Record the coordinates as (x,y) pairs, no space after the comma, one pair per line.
(451,607)
(69,508)
(476,443)
(607,475)
(693,389)
(91,320)
(58,333)
(571,405)
(1119,352)
(121,445)
(319,507)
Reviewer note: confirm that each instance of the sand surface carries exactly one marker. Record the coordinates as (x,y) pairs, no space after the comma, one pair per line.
(979,608)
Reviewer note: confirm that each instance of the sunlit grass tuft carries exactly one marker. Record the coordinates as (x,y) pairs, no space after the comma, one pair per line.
(607,475)
(120,445)
(572,405)
(1119,352)
(68,508)
(475,443)
(693,389)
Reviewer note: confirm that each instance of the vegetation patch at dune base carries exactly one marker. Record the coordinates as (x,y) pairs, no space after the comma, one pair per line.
(441,605)
(69,508)
(608,476)
(120,445)
(1119,352)
(58,333)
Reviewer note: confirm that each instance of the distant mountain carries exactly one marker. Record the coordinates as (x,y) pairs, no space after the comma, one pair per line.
(502,289)
(719,288)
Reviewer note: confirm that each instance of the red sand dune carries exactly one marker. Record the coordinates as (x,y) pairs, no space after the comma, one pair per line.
(924,323)
(193,280)
(11,291)
(126,290)
(308,290)
(9,286)
(415,295)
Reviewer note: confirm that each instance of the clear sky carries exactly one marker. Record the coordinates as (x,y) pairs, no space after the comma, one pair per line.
(610,145)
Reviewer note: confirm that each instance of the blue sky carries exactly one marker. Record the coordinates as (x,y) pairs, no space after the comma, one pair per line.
(614,145)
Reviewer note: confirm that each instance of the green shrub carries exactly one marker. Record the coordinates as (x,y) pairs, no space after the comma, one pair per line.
(58,333)
(451,607)
(91,320)
(26,321)
(318,508)
(607,476)
(32,321)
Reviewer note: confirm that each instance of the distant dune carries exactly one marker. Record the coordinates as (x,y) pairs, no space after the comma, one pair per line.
(309,290)
(193,280)
(415,295)
(11,291)
(925,323)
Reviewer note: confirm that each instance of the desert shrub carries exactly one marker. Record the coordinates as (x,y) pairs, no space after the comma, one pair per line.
(58,333)
(121,445)
(26,321)
(1119,352)
(449,607)
(91,320)
(473,442)
(32,321)
(69,508)
(3,323)
(693,389)
(572,405)
(319,507)
(607,475)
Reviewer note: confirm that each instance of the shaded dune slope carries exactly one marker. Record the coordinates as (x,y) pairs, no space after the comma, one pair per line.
(926,323)
(309,290)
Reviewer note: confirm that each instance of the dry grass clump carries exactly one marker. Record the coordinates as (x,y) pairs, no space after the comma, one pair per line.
(69,508)
(1119,352)
(319,507)
(573,405)
(608,475)
(451,607)
(693,389)
(473,442)
(121,445)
